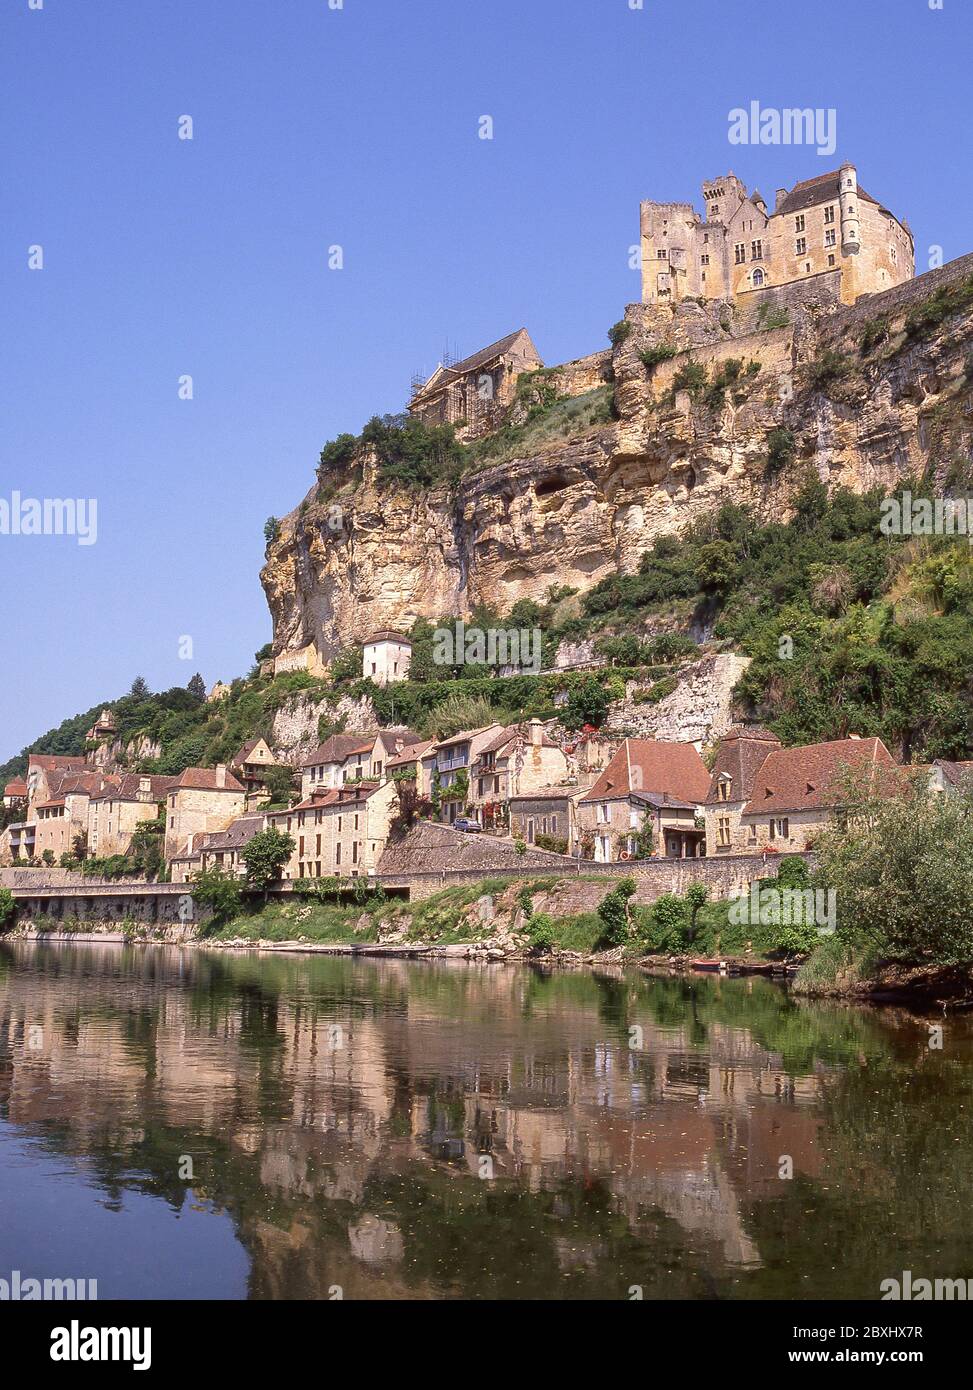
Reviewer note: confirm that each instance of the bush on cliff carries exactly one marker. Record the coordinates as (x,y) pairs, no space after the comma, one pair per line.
(7,906)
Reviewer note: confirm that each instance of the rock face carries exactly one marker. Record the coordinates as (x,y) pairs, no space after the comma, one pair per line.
(699,710)
(365,554)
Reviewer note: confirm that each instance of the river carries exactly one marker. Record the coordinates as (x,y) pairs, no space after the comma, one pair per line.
(183,1123)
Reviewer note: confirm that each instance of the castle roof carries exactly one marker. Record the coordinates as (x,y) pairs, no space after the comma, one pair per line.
(817,190)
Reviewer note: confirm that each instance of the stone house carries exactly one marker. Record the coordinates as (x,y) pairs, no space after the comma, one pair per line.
(520,758)
(827,226)
(251,762)
(474,394)
(648,784)
(447,766)
(116,811)
(200,799)
(409,763)
(223,849)
(338,832)
(739,756)
(386,657)
(549,811)
(797,791)
(349,757)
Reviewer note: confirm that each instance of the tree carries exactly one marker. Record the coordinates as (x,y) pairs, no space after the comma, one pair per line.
(613,911)
(696,895)
(218,890)
(79,846)
(139,690)
(271,529)
(266,855)
(279,781)
(48,858)
(587,703)
(902,868)
(197,688)
(7,906)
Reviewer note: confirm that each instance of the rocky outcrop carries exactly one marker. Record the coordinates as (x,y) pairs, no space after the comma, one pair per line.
(361,553)
(698,710)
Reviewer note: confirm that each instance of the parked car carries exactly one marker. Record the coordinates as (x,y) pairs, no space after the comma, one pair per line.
(472,827)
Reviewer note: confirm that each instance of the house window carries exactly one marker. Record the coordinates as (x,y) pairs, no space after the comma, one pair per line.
(337,853)
(756,250)
(829,236)
(828,215)
(740,252)
(831,260)
(799,223)
(723,790)
(752,833)
(779,828)
(801,245)
(723,831)
(602,813)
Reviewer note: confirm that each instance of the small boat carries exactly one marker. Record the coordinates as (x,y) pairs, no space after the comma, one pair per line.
(720,965)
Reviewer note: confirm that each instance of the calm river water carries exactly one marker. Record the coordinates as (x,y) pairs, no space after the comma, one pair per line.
(190,1124)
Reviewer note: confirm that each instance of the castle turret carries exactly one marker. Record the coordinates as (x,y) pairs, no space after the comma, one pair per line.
(851,234)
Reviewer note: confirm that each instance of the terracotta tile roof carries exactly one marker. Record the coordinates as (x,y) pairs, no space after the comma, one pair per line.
(509,735)
(809,778)
(822,189)
(466,734)
(235,836)
(348,795)
(387,634)
(125,787)
(204,779)
(645,765)
(47,805)
(339,747)
(739,756)
(410,754)
(243,754)
(54,762)
(18,787)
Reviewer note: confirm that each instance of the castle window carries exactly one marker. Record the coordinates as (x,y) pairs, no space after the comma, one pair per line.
(829,236)
(758,278)
(831,260)
(892,254)
(829,215)
(714,210)
(704,260)
(740,252)
(756,250)
(807,267)
(662,254)
(801,245)
(799,223)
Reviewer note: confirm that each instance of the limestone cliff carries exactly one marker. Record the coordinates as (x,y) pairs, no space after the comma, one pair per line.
(865,395)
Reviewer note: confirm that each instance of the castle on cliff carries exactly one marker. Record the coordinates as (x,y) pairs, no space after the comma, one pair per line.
(826,230)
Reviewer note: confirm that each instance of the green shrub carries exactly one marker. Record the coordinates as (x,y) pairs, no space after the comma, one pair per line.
(620,332)
(652,356)
(613,911)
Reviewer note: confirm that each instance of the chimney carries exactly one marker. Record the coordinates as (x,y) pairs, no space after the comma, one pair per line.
(781,195)
(221,774)
(536,732)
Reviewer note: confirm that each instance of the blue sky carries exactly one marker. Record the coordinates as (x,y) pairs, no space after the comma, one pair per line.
(355,127)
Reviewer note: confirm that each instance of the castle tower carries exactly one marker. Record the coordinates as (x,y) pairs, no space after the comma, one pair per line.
(851,235)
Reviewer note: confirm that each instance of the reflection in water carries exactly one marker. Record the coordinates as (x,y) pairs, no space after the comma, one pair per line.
(343,1119)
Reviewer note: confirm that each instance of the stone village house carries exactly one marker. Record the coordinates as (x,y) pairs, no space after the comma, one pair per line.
(339,832)
(648,783)
(793,793)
